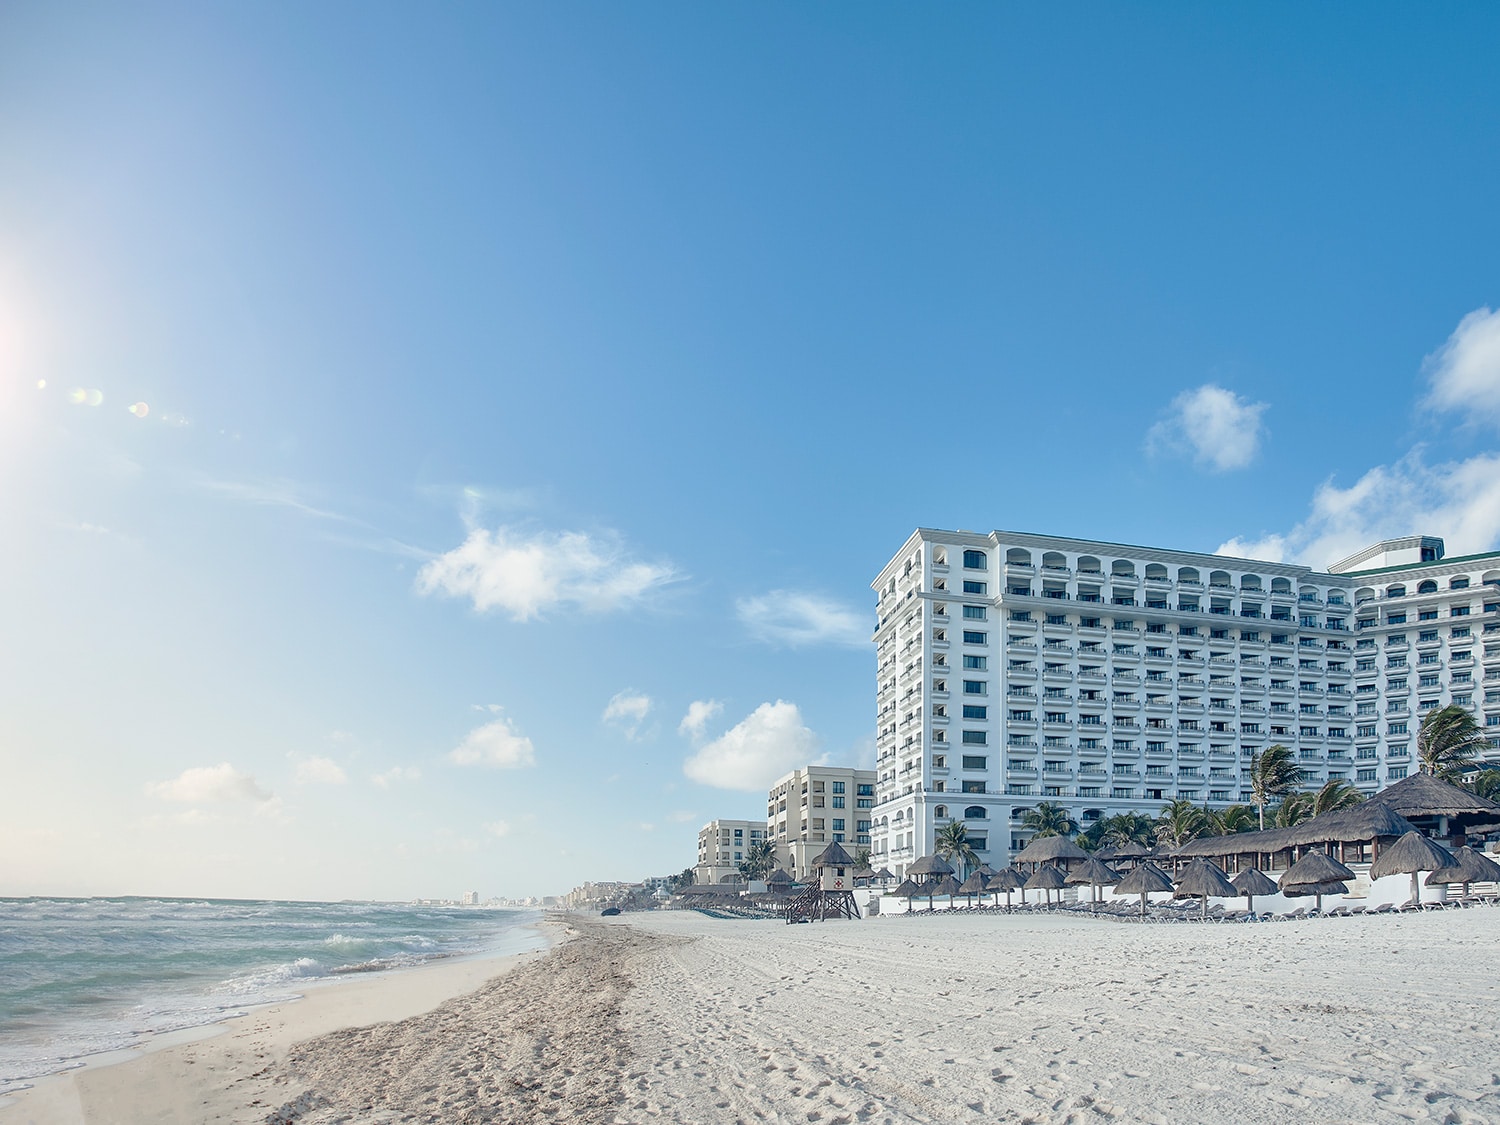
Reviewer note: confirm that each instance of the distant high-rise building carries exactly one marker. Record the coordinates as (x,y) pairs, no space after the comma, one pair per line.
(1015,668)
(722,844)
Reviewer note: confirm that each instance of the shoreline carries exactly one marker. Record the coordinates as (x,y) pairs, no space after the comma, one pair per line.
(320,1006)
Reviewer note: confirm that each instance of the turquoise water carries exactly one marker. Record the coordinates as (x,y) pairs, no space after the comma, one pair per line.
(81,976)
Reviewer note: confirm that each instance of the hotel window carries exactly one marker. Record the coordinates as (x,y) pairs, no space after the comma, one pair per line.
(976,711)
(975,687)
(974,612)
(1016,716)
(1396,773)
(1364,775)
(973,638)
(1396,728)
(975,738)
(838,802)
(975,761)
(838,824)
(973,787)
(975,560)
(838,786)
(1427,615)
(1396,619)
(975,663)
(972,587)
(866,790)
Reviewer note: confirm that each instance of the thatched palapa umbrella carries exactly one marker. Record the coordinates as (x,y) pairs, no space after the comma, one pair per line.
(1413,853)
(1251,882)
(947,885)
(973,885)
(885,875)
(1469,867)
(1145,879)
(1050,849)
(929,867)
(1092,873)
(908,890)
(1046,879)
(1316,874)
(779,883)
(1008,880)
(1204,880)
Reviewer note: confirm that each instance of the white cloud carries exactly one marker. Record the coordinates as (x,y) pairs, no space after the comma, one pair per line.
(497,744)
(699,712)
(320,771)
(1218,427)
(204,784)
(498,828)
(396,775)
(1459,500)
(628,710)
(793,619)
(1465,372)
(525,577)
(769,742)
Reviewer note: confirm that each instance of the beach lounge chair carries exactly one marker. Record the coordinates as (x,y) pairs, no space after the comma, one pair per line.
(1383,908)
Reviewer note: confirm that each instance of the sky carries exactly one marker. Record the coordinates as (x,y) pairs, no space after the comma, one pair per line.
(449,449)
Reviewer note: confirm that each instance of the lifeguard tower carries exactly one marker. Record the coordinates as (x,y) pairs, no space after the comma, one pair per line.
(830,891)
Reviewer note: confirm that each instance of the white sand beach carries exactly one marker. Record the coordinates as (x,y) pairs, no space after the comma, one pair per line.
(1027,1018)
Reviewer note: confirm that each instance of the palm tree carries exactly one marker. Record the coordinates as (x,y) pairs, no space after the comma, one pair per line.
(952,843)
(1179,822)
(1448,741)
(1129,828)
(862,858)
(759,861)
(1296,808)
(1049,819)
(1231,819)
(1336,794)
(1486,783)
(1273,772)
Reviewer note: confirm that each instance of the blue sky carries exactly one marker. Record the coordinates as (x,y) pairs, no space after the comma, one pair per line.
(525,397)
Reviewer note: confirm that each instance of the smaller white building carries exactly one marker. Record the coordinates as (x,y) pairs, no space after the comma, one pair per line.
(722,845)
(815,806)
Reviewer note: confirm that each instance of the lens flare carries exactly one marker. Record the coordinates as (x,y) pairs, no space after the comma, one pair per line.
(95,397)
(139,409)
(41,384)
(78,396)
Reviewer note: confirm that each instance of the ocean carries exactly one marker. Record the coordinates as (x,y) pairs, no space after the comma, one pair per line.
(83,976)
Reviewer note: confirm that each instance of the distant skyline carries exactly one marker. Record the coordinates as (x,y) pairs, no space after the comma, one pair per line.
(451,449)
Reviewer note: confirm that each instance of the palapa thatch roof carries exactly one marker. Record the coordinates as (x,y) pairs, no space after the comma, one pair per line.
(984,869)
(1307,890)
(833,855)
(885,873)
(1252,881)
(1421,794)
(973,885)
(931,865)
(1092,873)
(1469,867)
(779,878)
(908,889)
(1046,878)
(1314,868)
(1413,852)
(862,873)
(1128,850)
(947,885)
(1144,879)
(1203,879)
(1369,821)
(1006,879)
(1047,849)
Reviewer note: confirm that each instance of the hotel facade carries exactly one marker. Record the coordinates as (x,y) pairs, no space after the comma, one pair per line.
(1015,668)
(722,844)
(815,806)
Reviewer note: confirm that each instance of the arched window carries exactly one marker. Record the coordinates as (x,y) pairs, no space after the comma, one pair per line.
(1428,587)
(1363,594)
(1088,564)
(1250,582)
(1054,560)
(1018,556)
(975,812)
(1187,574)
(1395,591)
(1123,568)
(941,810)
(1218,578)
(1281,585)
(1155,572)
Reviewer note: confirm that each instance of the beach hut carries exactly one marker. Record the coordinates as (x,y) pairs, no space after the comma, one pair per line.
(863,876)
(1051,849)
(1145,879)
(1469,867)
(1046,878)
(1008,880)
(1204,880)
(1316,874)
(973,885)
(1355,835)
(1436,806)
(885,876)
(1413,854)
(830,891)
(780,883)
(1251,882)
(929,868)
(1093,874)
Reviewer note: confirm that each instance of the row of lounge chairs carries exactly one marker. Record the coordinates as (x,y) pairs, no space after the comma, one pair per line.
(1190,910)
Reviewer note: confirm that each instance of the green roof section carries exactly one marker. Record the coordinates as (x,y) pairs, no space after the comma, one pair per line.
(1419,565)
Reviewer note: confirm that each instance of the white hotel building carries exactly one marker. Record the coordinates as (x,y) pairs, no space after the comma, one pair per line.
(1016,668)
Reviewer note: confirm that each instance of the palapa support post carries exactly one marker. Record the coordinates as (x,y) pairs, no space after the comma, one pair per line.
(830,891)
